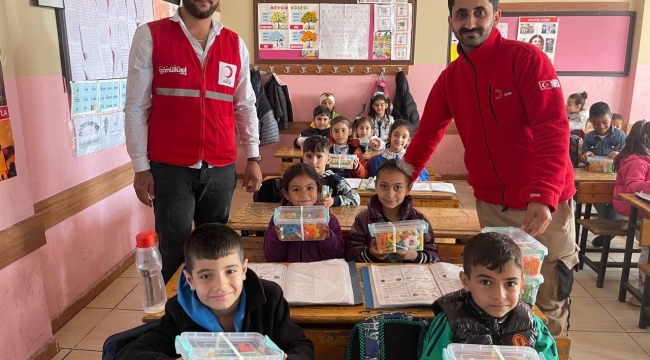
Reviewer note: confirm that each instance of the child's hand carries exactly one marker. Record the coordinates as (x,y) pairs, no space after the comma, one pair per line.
(409,255)
(355,164)
(374,252)
(278,232)
(285,357)
(328,201)
(326,232)
(612,154)
(373,144)
(586,155)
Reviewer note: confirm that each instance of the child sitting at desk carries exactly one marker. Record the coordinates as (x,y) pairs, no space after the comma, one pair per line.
(328,100)
(617,121)
(379,113)
(336,191)
(400,137)
(488,310)
(632,168)
(391,203)
(217,293)
(341,142)
(604,140)
(301,186)
(319,126)
(364,128)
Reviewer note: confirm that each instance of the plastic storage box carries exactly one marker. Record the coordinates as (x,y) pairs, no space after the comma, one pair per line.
(399,236)
(490,352)
(364,142)
(300,223)
(530,288)
(342,161)
(533,251)
(226,346)
(600,164)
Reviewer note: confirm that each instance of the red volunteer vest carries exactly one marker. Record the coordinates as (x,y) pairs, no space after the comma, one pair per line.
(192,115)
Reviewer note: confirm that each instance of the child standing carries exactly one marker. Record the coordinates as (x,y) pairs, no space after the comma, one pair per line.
(342,142)
(217,293)
(632,168)
(575,107)
(487,310)
(336,191)
(604,140)
(364,128)
(400,136)
(319,126)
(328,100)
(391,203)
(301,186)
(378,112)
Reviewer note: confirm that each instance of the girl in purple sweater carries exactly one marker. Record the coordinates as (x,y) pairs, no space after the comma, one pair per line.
(301,185)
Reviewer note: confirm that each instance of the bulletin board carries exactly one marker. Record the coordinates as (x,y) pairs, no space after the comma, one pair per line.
(597,43)
(343,32)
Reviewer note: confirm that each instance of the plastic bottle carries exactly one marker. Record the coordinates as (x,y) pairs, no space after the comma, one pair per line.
(149,264)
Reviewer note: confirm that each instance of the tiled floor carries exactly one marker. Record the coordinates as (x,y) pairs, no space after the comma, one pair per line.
(601,327)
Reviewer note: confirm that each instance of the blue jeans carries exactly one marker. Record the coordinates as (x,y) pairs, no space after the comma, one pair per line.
(606,211)
(184,195)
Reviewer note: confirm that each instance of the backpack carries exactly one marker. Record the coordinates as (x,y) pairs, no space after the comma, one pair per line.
(575,142)
(116,342)
(380,88)
(393,336)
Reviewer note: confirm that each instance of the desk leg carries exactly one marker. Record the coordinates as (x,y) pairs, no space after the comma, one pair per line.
(578,215)
(627,258)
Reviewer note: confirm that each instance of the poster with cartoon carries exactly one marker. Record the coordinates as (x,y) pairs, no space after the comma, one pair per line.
(304,24)
(403,25)
(7,146)
(87,134)
(273,26)
(382,37)
(541,32)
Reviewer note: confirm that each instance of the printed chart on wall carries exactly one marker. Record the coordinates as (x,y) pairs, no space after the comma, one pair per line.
(541,32)
(335,31)
(453,41)
(7,146)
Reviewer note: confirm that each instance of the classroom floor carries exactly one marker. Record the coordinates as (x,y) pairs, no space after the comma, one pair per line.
(601,327)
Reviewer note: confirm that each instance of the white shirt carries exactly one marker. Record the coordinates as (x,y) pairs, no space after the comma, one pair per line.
(138,94)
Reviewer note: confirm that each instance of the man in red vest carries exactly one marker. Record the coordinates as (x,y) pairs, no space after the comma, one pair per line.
(188,96)
(507,103)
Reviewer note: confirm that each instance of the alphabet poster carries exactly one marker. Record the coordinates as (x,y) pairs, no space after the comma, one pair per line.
(541,32)
(7,146)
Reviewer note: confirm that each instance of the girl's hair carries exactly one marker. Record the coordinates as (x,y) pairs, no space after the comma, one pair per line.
(371,113)
(396,165)
(579,99)
(637,142)
(360,120)
(300,169)
(599,109)
(340,120)
(618,117)
(401,123)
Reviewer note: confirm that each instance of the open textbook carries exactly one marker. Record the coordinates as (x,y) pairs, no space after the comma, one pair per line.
(330,282)
(397,286)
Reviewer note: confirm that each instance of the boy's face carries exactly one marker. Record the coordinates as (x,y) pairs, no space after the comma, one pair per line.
(328,104)
(364,130)
(392,187)
(601,124)
(399,138)
(340,133)
(218,283)
(617,123)
(322,122)
(303,191)
(318,161)
(572,107)
(495,292)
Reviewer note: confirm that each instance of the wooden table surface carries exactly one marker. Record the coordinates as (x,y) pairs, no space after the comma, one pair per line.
(446,222)
(293,153)
(637,202)
(435,195)
(582,174)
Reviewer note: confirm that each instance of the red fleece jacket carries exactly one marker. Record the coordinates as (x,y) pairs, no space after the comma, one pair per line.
(509,110)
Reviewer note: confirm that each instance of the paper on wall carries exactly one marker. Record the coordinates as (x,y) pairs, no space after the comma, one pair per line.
(84,98)
(344,31)
(402,38)
(304,29)
(541,32)
(112,130)
(87,136)
(273,26)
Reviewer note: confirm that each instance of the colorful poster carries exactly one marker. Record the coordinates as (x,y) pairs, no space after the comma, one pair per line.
(344,31)
(541,32)
(403,25)
(382,37)
(7,146)
(304,29)
(453,47)
(273,26)
(84,98)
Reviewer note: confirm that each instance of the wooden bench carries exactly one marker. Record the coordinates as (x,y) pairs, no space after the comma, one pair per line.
(644,318)
(598,193)
(581,175)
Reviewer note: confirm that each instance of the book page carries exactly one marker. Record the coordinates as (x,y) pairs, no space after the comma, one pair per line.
(354,183)
(403,285)
(447,276)
(324,283)
(271,272)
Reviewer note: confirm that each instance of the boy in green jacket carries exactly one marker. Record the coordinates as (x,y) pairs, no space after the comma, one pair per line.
(488,310)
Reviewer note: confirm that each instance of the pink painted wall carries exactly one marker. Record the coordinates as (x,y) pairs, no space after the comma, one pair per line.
(640,102)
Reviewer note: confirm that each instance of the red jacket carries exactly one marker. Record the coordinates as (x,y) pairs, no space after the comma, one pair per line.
(510,114)
(192,115)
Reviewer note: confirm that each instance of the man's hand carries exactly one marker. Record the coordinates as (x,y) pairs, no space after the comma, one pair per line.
(586,155)
(538,211)
(252,177)
(328,201)
(144,187)
(374,252)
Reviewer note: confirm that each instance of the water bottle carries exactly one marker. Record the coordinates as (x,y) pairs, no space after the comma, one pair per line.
(149,264)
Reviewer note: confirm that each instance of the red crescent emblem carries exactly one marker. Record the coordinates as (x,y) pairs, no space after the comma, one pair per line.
(230,73)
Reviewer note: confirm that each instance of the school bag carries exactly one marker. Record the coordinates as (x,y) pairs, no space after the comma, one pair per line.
(575,142)
(392,336)
(380,88)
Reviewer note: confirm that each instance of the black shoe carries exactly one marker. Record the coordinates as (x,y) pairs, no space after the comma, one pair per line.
(598,241)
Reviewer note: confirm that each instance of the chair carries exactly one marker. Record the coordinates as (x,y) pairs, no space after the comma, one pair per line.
(644,319)
(270,191)
(116,342)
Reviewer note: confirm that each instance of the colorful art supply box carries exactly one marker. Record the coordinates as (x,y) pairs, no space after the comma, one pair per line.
(302,223)
(532,250)
(342,161)
(530,288)
(399,236)
(490,352)
(600,164)
(226,346)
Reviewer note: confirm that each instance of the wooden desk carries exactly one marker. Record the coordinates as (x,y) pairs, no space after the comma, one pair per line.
(288,154)
(636,204)
(446,222)
(420,198)
(329,326)
(582,174)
